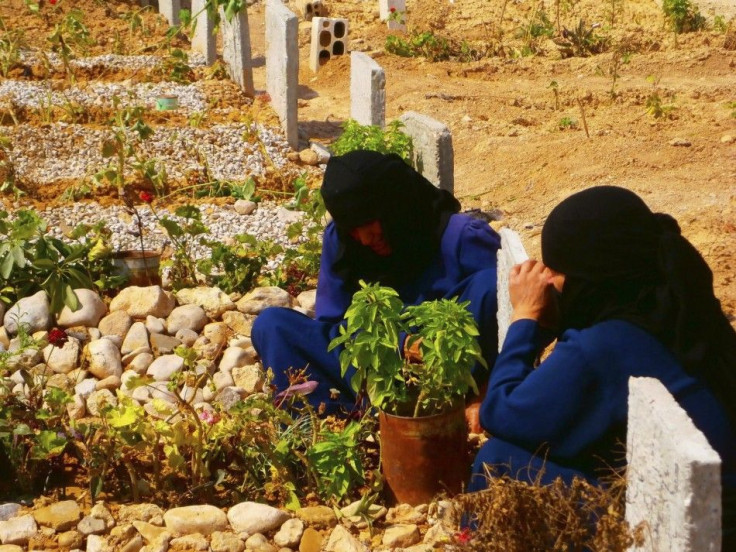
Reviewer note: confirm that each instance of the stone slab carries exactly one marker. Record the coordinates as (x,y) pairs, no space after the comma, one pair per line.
(282,66)
(512,252)
(170,10)
(674,475)
(329,39)
(236,49)
(367,90)
(203,40)
(433,155)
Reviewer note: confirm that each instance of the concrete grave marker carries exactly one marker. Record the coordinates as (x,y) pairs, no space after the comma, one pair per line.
(512,252)
(170,10)
(433,153)
(203,40)
(395,22)
(311,8)
(329,38)
(282,66)
(673,481)
(367,90)
(236,49)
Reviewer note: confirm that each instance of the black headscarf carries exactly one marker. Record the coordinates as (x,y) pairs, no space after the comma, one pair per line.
(622,261)
(363,186)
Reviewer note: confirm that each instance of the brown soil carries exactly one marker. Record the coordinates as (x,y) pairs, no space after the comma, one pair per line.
(515,150)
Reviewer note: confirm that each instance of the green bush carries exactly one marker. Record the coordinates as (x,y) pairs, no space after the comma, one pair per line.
(683,16)
(369,137)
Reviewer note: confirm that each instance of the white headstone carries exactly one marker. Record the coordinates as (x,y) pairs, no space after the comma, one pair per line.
(433,154)
(282,66)
(203,40)
(236,49)
(674,475)
(170,10)
(367,90)
(512,252)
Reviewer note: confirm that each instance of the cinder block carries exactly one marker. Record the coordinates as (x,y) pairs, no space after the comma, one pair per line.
(433,153)
(674,475)
(329,38)
(512,252)
(384,11)
(203,40)
(236,49)
(367,90)
(311,8)
(282,66)
(170,10)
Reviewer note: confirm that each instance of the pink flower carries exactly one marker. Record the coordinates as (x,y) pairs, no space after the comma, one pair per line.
(208,417)
(146,197)
(57,337)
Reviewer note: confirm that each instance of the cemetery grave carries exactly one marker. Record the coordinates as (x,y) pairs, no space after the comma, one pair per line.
(531,101)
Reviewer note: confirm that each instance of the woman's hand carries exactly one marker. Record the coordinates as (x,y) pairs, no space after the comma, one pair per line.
(531,292)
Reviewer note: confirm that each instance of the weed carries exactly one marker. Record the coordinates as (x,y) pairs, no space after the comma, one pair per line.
(419,44)
(226,188)
(615,10)
(581,41)
(732,106)
(175,67)
(567,123)
(683,16)
(195,118)
(655,106)
(8,182)
(70,38)
(556,91)
(389,140)
(720,24)
(11,41)
(620,56)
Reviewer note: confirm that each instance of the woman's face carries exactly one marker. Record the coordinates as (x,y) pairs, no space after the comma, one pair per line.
(371,235)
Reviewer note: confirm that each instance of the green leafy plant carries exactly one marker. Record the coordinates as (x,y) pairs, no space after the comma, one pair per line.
(445,332)
(370,137)
(11,42)
(175,67)
(184,234)
(70,38)
(655,106)
(683,16)
(420,44)
(567,123)
(534,31)
(336,458)
(732,106)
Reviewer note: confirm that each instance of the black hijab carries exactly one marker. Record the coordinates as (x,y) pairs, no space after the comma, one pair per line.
(622,261)
(363,186)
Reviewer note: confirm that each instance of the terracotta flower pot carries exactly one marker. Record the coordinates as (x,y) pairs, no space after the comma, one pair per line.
(424,456)
(141,267)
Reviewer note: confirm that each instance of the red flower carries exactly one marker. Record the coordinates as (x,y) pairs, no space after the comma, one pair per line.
(146,197)
(52,2)
(57,337)
(392,9)
(464,536)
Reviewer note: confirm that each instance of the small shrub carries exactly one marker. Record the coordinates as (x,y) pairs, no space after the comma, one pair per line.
(567,123)
(683,16)
(581,41)
(420,44)
(369,137)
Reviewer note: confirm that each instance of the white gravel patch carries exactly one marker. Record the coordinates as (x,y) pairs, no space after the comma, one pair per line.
(61,151)
(38,95)
(113,61)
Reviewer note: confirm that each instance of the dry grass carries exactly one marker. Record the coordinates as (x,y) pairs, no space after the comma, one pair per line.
(515,516)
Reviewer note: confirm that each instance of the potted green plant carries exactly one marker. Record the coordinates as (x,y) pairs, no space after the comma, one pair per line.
(421,404)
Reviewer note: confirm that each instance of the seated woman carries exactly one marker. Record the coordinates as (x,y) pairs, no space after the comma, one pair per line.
(389,225)
(635,299)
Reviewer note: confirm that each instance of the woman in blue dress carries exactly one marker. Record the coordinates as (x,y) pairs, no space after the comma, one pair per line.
(625,294)
(389,225)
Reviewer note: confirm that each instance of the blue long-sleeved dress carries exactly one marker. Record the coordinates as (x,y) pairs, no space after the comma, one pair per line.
(464,267)
(573,407)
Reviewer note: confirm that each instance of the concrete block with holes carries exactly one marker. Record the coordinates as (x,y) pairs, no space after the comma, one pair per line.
(329,39)
(311,8)
(236,49)
(203,40)
(433,155)
(367,90)
(282,66)
(170,10)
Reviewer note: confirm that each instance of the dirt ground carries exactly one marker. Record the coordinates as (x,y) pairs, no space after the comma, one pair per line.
(511,151)
(519,121)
